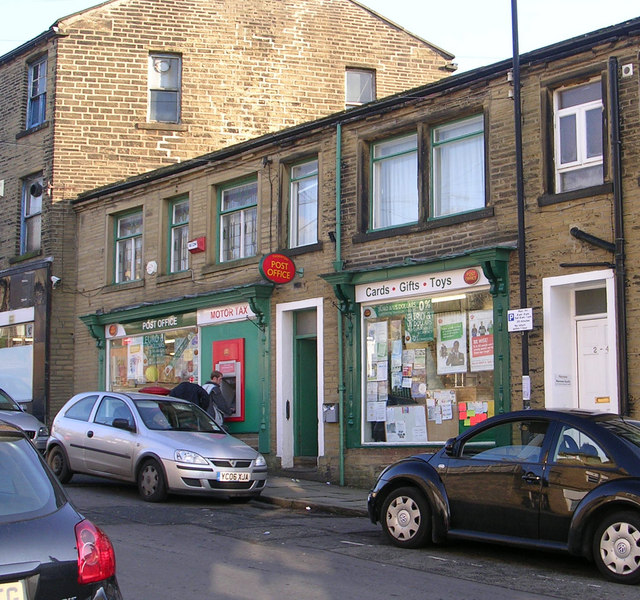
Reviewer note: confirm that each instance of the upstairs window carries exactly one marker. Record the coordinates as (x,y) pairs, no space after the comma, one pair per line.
(578,136)
(32,191)
(304,204)
(164,88)
(179,235)
(394,173)
(238,221)
(360,86)
(128,250)
(457,160)
(36,104)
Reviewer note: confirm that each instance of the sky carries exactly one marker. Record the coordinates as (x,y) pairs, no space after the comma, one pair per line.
(477,32)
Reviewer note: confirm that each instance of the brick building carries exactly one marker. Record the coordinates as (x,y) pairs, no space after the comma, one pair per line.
(401,219)
(112,92)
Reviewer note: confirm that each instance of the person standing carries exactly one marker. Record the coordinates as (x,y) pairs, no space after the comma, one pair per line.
(219,406)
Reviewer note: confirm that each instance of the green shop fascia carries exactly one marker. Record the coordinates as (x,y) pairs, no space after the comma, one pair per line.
(165,342)
(425,348)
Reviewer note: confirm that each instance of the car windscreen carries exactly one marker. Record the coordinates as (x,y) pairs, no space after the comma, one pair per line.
(628,430)
(27,490)
(8,403)
(168,415)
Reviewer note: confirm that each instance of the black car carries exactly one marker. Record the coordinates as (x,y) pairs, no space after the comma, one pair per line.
(48,550)
(554,480)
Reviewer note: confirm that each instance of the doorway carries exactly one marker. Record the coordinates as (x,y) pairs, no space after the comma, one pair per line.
(580,358)
(299,382)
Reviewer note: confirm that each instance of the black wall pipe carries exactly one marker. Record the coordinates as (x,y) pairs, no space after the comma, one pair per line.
(522,254)
(620,293)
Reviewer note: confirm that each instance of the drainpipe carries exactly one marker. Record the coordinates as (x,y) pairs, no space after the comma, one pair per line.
(621,306)
(337,265)
(522,255)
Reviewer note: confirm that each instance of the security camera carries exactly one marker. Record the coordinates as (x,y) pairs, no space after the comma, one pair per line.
(55,281)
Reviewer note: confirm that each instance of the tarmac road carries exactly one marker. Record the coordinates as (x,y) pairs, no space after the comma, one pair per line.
(201,548)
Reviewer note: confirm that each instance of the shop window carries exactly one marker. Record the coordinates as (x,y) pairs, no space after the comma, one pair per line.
(428,367)
(238,221)
(360,86)
(578,126)
(128,250)
(32,192)
(164,88)
(179,235)
(303,228)
(155,358)
(458,180)
(394,170)
(16,360)
(37,95)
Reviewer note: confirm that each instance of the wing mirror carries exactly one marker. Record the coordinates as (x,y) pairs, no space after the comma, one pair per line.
(450,447)
(123,424)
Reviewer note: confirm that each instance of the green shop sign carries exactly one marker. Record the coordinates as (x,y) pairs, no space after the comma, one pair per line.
(160,324)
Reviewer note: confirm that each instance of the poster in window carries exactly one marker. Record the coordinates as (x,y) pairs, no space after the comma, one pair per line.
(481,340)
(452,343)
(406,424)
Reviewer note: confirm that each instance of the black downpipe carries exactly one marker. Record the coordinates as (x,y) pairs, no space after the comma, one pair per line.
(621,303)
(522,255)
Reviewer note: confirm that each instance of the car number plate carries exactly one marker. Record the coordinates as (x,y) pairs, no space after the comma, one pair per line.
(12,591)
(226,476)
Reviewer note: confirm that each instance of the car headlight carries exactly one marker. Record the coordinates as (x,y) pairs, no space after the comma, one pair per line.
(260,461)
(43,432)
(186,456)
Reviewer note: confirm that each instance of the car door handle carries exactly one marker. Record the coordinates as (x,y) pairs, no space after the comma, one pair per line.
(531,478)
(89,434)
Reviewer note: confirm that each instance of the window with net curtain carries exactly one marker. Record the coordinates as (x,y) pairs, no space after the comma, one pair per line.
(458,174)
(394,182)
(128,253)
(304,204)
(238,221)
(179,214)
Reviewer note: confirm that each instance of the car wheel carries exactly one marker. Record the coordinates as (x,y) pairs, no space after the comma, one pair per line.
(406,517)
(57,460)
(616,547)
(151,483)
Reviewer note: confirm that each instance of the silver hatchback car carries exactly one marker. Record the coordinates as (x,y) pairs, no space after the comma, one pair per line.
(12,412)
(163,444)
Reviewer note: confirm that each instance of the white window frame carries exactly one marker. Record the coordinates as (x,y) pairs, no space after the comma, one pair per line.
(303,222)
(179,237)
(159,83)
(354,88)
(385,195)
(583,161)
(128,250)
(37,93)
(244,218)
(31,227)
(451,195)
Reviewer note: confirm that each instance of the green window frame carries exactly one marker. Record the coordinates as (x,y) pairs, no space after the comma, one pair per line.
(303,221)
(238,210)
(128,247)
(394,198)
(458,167)
(178,235)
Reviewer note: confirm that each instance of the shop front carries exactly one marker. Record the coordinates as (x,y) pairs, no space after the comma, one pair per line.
(432,349)
(161,345)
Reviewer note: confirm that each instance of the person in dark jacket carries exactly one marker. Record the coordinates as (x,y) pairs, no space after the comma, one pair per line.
(192,392)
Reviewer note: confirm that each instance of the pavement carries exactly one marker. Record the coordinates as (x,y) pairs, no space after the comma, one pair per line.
(315,496)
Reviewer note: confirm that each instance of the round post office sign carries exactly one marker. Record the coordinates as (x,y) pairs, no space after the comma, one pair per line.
(277,268)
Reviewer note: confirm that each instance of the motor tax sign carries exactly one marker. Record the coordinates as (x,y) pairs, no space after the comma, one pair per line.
(520,319)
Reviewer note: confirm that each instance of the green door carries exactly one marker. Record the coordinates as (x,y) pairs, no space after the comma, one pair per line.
(305,402)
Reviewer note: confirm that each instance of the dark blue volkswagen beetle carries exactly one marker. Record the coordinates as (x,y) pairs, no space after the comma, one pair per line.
(556,480)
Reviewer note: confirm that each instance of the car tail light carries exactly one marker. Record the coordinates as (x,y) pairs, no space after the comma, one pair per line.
(96,558)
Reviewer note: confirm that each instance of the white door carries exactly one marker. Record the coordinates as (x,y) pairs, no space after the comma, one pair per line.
(594,378)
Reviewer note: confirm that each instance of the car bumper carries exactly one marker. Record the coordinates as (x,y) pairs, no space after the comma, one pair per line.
(193,479)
